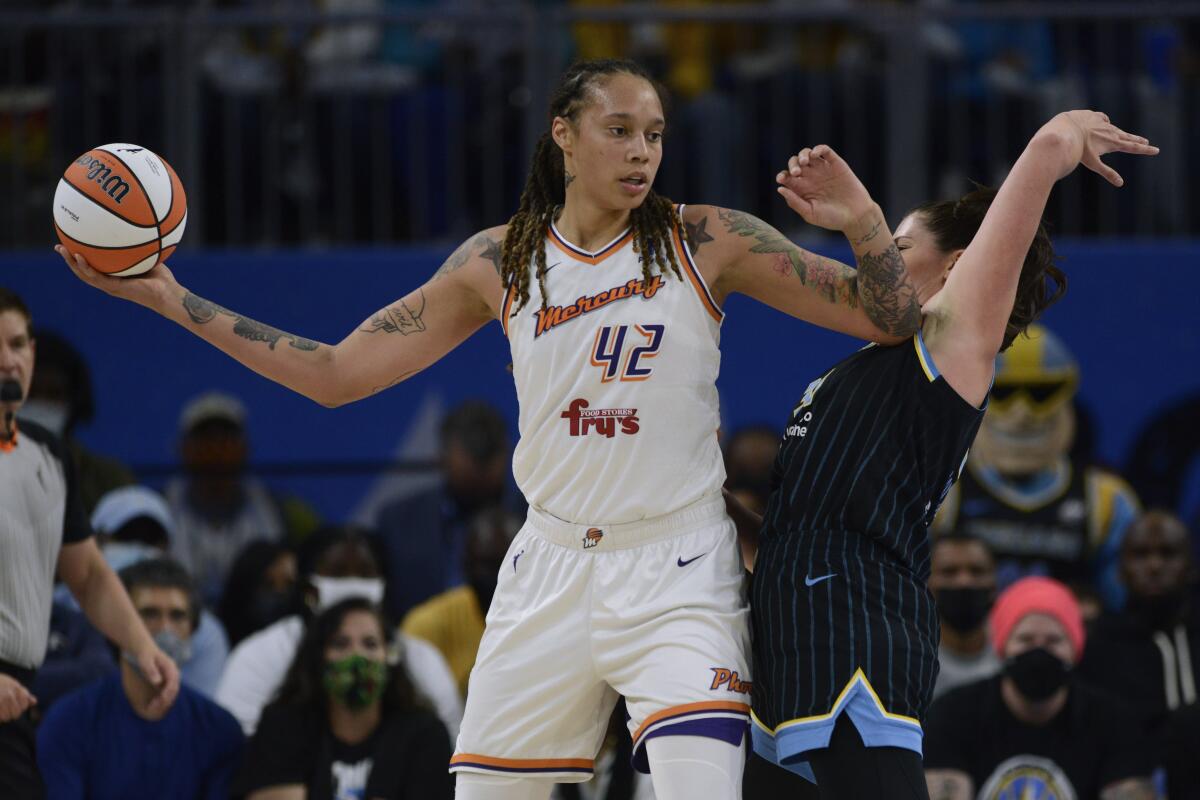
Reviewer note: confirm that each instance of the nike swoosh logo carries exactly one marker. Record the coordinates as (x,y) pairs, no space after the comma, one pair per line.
(814,581)
(683,563)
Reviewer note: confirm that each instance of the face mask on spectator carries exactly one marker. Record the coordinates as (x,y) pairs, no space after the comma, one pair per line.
(179,650)
(1038,673)
(120,555)
(50,415)
(331,591)
(964,609)
(355,681)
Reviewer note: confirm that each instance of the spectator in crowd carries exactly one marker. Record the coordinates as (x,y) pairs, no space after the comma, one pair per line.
(76,655)
(61,398)
(347,724)
(1033,730)
(453,621)
(1148,653)
(107,741)
(1038,512)
(260,589)
(749,459)
(134,524)
(423,536)
(43,530)
(336,563)
(962,578)
(217,507)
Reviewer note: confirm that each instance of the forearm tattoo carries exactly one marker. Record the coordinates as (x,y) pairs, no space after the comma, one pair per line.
(409,374)
(888,296)
(835,282)
(203,311)
(487,247)
(400,318)
(880,284)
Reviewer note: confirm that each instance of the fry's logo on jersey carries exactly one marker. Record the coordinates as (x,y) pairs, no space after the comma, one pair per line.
(604,421)
(730,680)
(553,316)
(592,537)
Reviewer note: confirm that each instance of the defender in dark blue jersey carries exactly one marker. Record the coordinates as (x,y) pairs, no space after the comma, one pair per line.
(845,631)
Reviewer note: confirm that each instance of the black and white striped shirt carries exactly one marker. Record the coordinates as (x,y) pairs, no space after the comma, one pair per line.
(40,511)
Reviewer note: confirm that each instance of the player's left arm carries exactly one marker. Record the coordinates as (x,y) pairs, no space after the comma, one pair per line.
(748,256)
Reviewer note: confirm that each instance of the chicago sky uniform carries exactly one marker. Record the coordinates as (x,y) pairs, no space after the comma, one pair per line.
(842,620)
(626,577)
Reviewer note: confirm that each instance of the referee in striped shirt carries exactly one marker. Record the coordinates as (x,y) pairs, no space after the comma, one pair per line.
(43,530)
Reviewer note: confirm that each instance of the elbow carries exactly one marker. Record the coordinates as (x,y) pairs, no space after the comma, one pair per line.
(895,324)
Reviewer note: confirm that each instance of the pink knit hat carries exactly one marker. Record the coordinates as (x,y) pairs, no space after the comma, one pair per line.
(1036,596)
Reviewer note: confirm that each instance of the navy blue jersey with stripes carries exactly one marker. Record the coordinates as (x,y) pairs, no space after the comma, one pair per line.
(842,620)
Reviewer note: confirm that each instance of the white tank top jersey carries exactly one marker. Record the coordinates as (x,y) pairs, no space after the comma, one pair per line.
(616,382)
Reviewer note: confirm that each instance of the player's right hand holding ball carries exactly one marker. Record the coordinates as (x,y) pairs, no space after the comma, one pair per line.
(152,289)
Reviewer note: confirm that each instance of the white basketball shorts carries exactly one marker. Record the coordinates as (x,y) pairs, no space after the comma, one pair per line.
(655,611)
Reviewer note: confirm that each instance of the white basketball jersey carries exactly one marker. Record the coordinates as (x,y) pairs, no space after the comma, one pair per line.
(616,381)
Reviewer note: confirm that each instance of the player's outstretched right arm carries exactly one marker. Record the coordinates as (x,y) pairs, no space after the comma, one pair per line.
(396,342)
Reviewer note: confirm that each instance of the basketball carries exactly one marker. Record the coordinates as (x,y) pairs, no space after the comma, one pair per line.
(121,207)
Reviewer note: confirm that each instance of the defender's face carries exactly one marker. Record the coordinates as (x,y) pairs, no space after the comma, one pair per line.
(614,150)
(926,263)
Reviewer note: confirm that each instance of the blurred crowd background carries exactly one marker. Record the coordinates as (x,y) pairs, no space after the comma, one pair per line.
(335,151)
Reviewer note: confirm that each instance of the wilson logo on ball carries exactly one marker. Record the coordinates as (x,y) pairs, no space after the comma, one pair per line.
(101,173)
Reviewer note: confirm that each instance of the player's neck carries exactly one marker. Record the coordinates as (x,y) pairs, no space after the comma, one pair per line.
(588,227)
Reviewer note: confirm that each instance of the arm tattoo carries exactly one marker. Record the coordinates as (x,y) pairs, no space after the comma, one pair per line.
(888,297)
(870,235)
(491,252)
(400,318)
(835,283)
(696,234)
(409,374)
(203,311)
(489,249)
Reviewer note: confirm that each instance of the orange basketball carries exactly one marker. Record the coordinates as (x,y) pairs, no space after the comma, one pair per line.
(122,207)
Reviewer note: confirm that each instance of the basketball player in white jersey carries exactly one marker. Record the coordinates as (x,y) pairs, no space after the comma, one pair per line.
(626,578)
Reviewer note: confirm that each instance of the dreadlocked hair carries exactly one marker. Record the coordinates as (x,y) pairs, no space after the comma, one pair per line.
(652,223)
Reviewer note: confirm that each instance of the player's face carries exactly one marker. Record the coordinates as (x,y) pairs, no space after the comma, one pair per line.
(1040,630)
(613,151)
(16,351)
(359,634)
(1154,557)
(926,263)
